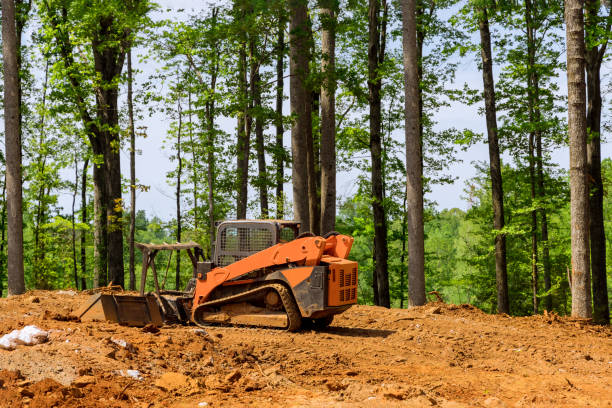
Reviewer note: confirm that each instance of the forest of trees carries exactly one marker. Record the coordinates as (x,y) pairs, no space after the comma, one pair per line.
(365,82)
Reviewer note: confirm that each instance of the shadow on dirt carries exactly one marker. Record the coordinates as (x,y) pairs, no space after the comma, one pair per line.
(358,332)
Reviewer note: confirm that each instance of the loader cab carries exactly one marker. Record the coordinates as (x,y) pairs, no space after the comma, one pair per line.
(241,238)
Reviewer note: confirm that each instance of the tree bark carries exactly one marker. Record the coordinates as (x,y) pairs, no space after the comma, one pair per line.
(73,221)
(100,227)
(594,57)
(12,137)
(84,221)
(414,170)
(210,169)
(501,274)
(299,52)
(577,129)
(194,166)
(534,134)
(132,283)
(328,116)
(375,58)
(41,205)
(260,147)
(179,171)
(544,229)
(279,148)
(244,130)
(312,167)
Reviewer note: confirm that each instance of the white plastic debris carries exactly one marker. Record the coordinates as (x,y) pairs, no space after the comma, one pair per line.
(120,342)
(135,374)
(28,336)
(203,404)
(66,292)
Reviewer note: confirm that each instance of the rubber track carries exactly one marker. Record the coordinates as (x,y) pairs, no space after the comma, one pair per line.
(294,316)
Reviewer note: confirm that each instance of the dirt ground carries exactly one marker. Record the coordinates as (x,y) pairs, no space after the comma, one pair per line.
(436,355)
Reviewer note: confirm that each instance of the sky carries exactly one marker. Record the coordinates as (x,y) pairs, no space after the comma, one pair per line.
(153,163)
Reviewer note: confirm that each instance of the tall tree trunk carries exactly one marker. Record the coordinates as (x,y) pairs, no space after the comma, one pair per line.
(132,284)
(179,172)
(41,205)
(594,57)
(414,169)
(328,116)
(501,274)
(244,130)
(210,169)
(534,133)
(299,52)
(544,231)
(73,221)
(312,166)
(114,209)
(100,227)
(279,149)
(194,167)
(12,137)
(542,197)
(534,224)
(375,58)
(577,129)
(403,257)
(84,221)
(259,146)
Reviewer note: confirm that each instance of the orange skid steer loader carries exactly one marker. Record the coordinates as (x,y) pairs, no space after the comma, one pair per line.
(262,273)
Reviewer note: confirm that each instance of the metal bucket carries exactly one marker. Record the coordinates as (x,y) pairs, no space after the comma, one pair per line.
(123,309)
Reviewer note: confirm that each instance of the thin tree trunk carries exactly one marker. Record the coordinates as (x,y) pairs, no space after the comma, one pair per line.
(210,170)
(403,258)
(531,107)
(244,130)
(100,227)
(594,56)
(328,117)
(312,166)
(73,222)
(194,167)
(414,170)
(114,210)
(279,150)
(259,146)
(375,58)
(132,284)
(41,161)
(545,250)
(542,197)
(179,171)
(501,274)
(299,52)
(12,137)
(577,129)
(84,221)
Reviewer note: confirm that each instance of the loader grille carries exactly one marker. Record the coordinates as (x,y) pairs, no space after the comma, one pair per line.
(342,283)
(236,243)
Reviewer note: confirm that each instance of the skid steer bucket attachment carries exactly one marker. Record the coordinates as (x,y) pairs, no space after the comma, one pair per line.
(122,309)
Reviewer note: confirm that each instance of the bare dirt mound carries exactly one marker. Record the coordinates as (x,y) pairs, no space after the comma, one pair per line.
(436,355)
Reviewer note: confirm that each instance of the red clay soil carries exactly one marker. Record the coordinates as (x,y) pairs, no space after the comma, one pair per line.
(436,355)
